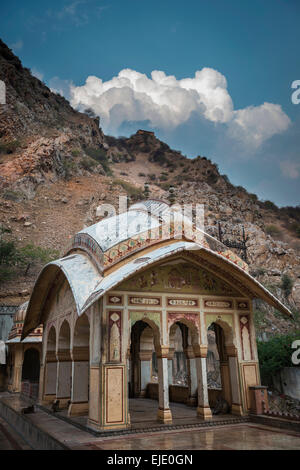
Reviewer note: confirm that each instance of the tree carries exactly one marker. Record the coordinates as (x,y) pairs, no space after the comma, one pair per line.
(30,255)
(8,255)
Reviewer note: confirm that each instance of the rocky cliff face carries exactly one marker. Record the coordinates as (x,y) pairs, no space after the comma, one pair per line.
(57,167)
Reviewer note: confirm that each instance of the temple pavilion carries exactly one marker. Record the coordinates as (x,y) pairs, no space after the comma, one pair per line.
(133,295)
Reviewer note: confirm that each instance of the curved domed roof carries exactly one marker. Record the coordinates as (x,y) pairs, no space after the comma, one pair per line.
(145,223)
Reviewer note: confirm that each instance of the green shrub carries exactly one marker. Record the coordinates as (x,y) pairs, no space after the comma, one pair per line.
(100,156)
(9,147)
(275,354)
(272,230)
(88,164)
(286,284)
(270,205)
(142,174)
(132,191)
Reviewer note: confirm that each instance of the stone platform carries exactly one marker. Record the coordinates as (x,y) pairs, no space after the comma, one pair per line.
(45,430)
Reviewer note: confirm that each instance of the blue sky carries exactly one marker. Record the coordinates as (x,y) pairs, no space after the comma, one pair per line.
(237,110)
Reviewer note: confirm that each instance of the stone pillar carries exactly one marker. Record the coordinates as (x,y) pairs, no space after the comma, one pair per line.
(17,371)
(203,409)
(192,376)
(145,373)
(64,377)
(164,413)
(170,365)
(80,382)
(50,377)
(236,401)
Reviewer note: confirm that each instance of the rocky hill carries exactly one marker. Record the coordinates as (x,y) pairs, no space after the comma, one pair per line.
(57,167)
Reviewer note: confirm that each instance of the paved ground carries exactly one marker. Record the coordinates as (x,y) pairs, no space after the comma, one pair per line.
(9,440)
(243,436)
(233,437)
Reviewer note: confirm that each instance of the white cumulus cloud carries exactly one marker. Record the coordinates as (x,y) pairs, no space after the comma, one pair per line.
(166,102)
(255,124)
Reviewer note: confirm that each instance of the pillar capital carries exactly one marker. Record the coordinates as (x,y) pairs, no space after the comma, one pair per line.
(231,350)
(200,350)
(51,356)
(163,352)
(145,355)
(63,355)
(80,353)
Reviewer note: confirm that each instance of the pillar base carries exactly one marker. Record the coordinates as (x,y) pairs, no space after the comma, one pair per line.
(78,409)
(63,402)
(192,401)
(100,427)
(204,412)
(48,399)
(164,416)
(237,410)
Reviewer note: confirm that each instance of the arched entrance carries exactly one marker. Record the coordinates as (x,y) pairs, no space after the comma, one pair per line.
(222,367)
(182,363)
(141,359)
(80,354)
(31,373)
(51,366)
(64,365)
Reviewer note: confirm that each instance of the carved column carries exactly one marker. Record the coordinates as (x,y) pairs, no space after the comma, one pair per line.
(17,371)
(64,377)
(50,377)
(192,376)
(236,406)
(203,409)
(170,365)
(80,381)
(164,413)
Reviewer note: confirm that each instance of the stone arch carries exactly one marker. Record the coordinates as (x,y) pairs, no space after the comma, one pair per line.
(144,341)
(64,336)
(80,354)
(81,333)
(224,338)
(64,366)
(190,323)
(51,365)
(51,340)
(154,327)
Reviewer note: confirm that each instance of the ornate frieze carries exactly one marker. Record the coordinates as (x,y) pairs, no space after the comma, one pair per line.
(115,299)
(243,305)
(176,302)
(144,301)
(181,277)
(218,303)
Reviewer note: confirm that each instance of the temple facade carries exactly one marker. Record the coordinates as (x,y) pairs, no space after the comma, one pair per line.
(130,312)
